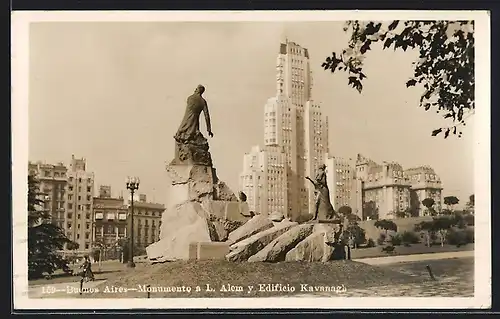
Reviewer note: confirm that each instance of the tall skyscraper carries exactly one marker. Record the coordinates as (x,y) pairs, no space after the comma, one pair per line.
(294,122)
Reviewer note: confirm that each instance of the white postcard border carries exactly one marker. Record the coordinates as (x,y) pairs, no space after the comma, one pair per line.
(20,76)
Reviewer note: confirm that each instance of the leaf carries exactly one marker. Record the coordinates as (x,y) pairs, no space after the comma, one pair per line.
(446,133)
(393,25)
(352,80)
(365,47)
(362,76)
(388,42)
(411,82)
(436,132)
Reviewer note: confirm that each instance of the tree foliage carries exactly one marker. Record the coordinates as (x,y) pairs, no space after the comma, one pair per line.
(471,204)
(451,201)
(438,226)
(357,233)
(44,238)
(429,203)
(386,225)
(345,210)
(445,68)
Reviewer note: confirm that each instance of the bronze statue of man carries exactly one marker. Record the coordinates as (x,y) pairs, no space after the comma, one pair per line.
(189,130)
(323,203)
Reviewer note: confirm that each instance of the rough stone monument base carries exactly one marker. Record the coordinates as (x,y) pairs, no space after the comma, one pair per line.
(198,208)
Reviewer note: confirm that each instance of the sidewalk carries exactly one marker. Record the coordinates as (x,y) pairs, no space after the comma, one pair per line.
(416,257)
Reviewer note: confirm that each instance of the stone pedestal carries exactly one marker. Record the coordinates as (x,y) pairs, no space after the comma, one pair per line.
(198,204)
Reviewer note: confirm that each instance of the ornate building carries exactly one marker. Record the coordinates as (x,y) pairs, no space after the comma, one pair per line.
(110,223)
(425,183)
(386,185)
(147,222)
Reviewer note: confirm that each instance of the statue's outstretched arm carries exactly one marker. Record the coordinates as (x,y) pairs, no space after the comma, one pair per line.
(207,117)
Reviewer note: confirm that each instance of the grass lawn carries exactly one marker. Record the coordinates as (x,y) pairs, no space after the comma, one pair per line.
(462,268)
(219,273)
(402,250)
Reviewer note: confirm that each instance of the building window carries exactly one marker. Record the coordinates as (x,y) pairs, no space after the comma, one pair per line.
(89,189)
(87,235)
(77,236)
(79,197)
(70,215)
(88,226)
(86,245)
(87,216)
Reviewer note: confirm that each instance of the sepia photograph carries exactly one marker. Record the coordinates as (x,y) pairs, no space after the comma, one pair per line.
(275,159)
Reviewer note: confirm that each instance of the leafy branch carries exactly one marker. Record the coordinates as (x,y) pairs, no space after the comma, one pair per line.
(445,67)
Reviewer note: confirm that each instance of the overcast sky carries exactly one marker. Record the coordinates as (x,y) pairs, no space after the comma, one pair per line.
(115,94)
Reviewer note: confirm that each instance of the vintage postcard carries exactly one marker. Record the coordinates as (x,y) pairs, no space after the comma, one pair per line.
(305,159)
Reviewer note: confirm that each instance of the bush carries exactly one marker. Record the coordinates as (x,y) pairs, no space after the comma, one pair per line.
(469,220)
(304,218)
(396,240)
(409,237)
(381,239)
(389,249)
(469,235)
(460,237)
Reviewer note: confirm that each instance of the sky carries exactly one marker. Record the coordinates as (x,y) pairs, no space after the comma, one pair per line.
(114,93)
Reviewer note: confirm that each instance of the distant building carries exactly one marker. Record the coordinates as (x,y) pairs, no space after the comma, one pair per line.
(263,180)
(68,194)
(52,187)
(342,183)
(386,185)
(80,204)
(110,223)
(425,183)
(147,221)
(294,123)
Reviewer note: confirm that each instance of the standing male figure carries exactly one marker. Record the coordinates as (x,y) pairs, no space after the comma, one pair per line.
(189,129)
(322,193)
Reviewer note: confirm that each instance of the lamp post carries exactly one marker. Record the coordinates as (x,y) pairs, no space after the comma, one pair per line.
(132,186)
